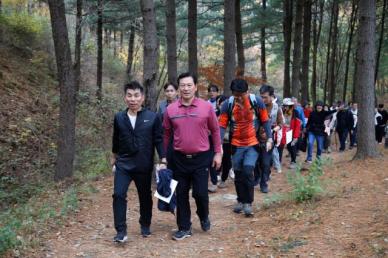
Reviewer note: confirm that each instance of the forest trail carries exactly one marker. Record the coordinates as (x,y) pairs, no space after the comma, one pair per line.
(351,220)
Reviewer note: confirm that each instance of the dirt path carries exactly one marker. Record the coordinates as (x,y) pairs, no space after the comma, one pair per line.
(351,220)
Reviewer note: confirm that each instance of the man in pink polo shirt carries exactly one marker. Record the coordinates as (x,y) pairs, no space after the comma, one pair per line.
(189,120)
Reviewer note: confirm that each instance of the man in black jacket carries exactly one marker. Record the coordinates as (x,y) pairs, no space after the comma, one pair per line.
(136,133)
(345,123)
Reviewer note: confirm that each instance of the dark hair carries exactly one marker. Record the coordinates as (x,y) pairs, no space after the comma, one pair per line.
(239,85)
(133,85)
(187,74)
(267,88)
(381,105)
(170,83)
(212,87)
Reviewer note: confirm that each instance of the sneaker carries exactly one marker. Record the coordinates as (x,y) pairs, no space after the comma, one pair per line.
(292,165)
(121,237)
(222,184)
(212,188)
(279,170)
(247,208)
(145,231)
(308,161)
(205,224)
(182,234)
(264,189)
(238,208)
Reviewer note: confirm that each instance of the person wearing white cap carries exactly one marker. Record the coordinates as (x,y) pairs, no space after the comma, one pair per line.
(293,126)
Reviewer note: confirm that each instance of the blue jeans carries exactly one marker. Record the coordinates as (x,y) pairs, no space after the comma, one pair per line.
(244,160)
(320,140)
(276,159)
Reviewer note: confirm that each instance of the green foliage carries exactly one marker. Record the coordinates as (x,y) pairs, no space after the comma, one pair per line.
(69,202)
(306,187)
(22,30)
(93,163)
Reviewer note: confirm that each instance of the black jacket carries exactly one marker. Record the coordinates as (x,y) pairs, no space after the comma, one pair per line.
(345,120)
(136,147)
(315,123)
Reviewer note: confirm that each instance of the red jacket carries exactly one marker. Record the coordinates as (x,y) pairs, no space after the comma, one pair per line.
(295,126)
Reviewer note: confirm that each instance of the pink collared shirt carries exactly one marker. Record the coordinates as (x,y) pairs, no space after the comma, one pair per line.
(191,126)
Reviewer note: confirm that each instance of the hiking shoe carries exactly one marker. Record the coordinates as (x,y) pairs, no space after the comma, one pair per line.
(279,170)
(182,234)
(247,208)
(222,184)
(121,237)
(264,189)
(205,224)
(145,231)
(308,161)
(292,165)
(212,188)
(238,208)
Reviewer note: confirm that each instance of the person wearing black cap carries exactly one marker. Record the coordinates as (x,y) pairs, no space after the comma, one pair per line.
(244,113)
(316,129)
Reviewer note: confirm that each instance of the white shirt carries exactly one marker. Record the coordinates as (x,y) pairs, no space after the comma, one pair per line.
(133,120)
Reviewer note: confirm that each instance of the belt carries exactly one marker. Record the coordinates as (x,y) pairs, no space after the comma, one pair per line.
(190,156)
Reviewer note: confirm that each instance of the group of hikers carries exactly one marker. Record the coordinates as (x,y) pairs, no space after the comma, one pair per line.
(241,136)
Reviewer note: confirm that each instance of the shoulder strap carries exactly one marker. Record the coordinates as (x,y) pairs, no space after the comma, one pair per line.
(253,102)
(230,107)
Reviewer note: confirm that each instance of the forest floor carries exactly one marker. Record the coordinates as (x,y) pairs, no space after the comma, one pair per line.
(350,220)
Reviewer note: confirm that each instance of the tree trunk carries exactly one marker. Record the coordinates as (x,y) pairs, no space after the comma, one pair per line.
(114,43)
(332,78)
(349,49)
(131,44)
(66,130)
(100,6)
(77,50)
(296,60)
(316,36)
(121,40)
(366,60)
(287,31)
(354,90)
(151,53)
(239,40)
(229,45)
(328,54)
(262,43)
(192,37)
(306,51)
(381,39)
(171,40)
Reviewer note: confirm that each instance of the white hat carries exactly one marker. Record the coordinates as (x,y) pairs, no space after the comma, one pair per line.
(288,102)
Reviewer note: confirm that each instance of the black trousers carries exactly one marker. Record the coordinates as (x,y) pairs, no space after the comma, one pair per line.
(124,175)
(191,171)
(263,167)
(292,150)
(226,161)
(380,133)
(342,135)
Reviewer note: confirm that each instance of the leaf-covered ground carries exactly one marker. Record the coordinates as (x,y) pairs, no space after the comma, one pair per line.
(351,219)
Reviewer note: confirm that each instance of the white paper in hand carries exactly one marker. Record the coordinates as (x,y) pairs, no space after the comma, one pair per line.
(288,137)
(173,185)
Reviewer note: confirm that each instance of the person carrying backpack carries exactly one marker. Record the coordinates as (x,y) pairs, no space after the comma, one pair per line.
(244,113)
